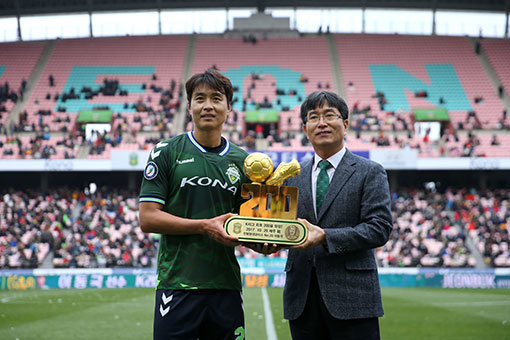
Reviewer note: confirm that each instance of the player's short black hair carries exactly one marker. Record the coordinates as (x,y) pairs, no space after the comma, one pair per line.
(215,80)
(319,98)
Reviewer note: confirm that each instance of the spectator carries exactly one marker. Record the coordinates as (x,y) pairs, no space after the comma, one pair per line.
(303,78)
(382,140)
(495,140)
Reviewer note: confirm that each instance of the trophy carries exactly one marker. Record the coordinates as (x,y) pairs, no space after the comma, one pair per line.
(270,213)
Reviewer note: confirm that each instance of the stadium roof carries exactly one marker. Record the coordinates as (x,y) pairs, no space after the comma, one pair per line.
(34,7)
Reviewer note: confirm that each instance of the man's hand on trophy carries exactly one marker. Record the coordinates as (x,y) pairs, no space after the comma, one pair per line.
(263,248)
(316,236)
(214,228)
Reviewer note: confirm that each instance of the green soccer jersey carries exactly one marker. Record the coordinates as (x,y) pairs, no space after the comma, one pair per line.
(192,183)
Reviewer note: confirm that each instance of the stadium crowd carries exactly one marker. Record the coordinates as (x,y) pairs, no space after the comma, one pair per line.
(87,228)
(430,228)
(425,233)
(486,217)
(100,229)
(154,114)
(81,228)
(156,108)
(41,146)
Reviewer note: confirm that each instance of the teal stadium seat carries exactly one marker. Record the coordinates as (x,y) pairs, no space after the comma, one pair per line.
(444,82)
(85,76)
(286,79)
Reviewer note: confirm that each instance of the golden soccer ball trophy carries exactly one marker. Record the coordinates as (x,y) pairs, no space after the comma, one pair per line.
(258,166)
(270,213)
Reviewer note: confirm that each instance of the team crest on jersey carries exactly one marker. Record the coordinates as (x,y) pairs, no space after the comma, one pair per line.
(233,173)
(151,171)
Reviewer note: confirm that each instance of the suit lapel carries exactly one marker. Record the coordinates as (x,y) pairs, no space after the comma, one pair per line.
(306,187)
(343,172)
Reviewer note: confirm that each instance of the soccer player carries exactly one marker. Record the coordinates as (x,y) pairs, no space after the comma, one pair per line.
(191,186)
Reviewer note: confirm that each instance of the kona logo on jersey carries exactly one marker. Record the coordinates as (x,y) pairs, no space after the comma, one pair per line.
(184,161)
(151,171)
(205,182)
(233,173)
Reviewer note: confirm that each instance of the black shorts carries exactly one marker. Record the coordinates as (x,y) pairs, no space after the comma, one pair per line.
(205,314)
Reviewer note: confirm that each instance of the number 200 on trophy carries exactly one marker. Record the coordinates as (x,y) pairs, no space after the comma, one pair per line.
(270,213)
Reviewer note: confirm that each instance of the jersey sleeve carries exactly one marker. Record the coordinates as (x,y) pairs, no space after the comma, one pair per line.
(155,176)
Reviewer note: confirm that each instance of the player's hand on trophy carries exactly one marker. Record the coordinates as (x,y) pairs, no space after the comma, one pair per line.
(214,228)
(263,248)
(316,236)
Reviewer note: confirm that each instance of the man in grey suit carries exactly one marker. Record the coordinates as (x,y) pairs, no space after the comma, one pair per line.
(332,287)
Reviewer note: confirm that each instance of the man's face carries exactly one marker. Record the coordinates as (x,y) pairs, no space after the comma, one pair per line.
(208,107)
(326,134)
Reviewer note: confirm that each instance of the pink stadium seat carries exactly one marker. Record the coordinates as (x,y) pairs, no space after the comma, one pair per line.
(498,52)
(164,53)
(19,59)
(308,56)
(411,53)
(128,51)
(356,53)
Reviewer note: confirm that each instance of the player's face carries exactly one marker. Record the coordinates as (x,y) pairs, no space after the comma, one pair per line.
(208,107)
(326,134)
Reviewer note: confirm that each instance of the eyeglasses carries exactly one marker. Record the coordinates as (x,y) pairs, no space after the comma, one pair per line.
(329,117)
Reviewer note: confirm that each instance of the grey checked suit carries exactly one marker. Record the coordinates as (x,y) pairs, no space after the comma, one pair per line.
(356,218)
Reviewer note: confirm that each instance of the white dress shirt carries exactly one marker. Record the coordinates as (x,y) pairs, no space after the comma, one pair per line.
(334,161)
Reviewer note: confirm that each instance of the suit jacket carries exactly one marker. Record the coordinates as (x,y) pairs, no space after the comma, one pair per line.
(356,218)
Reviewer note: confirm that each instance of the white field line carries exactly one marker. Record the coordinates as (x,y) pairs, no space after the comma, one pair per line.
(11,298)
(268,316)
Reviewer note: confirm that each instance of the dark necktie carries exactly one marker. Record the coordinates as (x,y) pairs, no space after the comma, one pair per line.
(322,185)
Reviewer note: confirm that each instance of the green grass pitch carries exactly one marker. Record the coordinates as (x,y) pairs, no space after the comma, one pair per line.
(411,313)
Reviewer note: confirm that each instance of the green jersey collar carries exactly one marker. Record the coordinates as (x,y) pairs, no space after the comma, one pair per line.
(201,148)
